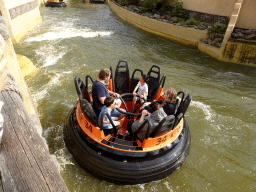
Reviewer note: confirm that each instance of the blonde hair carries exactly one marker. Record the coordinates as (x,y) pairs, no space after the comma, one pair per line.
(171,95)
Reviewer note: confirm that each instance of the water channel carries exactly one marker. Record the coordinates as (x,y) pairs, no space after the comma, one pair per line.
(83,38)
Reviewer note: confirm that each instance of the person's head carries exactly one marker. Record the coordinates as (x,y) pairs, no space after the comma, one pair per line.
(144,78)
(109,101)
(155,106)
(104,74)
(170,95)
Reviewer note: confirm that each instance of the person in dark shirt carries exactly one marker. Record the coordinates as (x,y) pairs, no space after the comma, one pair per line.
(100,91)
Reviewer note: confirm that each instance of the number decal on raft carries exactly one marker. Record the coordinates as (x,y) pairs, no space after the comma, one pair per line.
(88,126)
(161,140)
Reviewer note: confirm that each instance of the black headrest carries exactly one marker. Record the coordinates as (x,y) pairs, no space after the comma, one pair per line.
(153,81)
(185,104)
(122,77)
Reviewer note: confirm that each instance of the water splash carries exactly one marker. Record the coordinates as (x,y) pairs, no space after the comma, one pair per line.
(63,159)
(61,33)
(52,59)
(209,114)
(41,94)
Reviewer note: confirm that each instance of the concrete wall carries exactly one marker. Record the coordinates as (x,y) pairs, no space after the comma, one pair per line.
(224,8)
(215,7)
(21,16)
(247,16)
(239,52)
(8,60)
(177,33)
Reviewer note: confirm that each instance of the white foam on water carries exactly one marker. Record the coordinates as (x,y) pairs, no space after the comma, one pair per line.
(209,114)
(61,33)
(63,159)
(168,186)
(41,94)
(49,55)
(67,72)
(52,59)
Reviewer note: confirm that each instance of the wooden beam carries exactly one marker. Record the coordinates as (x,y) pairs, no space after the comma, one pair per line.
(25,162)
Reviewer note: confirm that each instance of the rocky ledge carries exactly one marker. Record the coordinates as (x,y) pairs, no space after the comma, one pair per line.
(246,34)
(214,39)
(167,18)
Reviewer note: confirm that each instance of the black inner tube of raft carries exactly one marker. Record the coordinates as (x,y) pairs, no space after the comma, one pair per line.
(55,4)
(128,170)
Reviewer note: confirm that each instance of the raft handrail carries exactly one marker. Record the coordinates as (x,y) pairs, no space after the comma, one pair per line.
(182,99)
(146,121)
(86,81)
(162,81)
(126,112)
(110,120)
(177,119)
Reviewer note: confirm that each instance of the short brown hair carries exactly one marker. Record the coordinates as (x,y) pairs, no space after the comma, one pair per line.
(109,100)
(104,73)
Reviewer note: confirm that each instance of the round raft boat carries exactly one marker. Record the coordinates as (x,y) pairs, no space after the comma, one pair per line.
(55,3)
(122,159)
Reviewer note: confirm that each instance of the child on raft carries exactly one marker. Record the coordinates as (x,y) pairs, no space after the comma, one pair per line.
(110,104)
(142,91)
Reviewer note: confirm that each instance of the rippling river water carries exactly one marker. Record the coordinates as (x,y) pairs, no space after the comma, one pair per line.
(83,38)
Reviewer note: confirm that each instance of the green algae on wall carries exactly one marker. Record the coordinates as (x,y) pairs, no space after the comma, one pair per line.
(240,53)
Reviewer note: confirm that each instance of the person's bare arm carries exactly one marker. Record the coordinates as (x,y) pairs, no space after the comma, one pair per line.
(135,89)
(102,99)
(144,113)
(113,93)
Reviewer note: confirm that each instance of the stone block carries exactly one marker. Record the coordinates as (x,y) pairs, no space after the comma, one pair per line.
(4,31)
(251,37)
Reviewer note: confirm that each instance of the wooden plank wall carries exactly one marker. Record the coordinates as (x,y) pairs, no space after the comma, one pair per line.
(25,162)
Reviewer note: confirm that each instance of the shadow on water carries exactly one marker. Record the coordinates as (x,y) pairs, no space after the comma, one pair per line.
(83,38)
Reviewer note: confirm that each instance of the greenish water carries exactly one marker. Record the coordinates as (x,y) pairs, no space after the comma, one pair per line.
(82,38)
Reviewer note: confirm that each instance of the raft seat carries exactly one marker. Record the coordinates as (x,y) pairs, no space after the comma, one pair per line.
(153,81)
(122,77)
(84,98)
(165,125)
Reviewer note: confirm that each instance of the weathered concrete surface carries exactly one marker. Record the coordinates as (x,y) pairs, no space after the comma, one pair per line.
(21,16)
(26,66)
(180,34)
(239,52)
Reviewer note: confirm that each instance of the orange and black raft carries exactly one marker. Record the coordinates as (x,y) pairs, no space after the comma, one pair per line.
(55,3)
(119,158)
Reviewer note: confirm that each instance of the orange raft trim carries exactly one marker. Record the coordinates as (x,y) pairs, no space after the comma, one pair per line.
(149,144)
